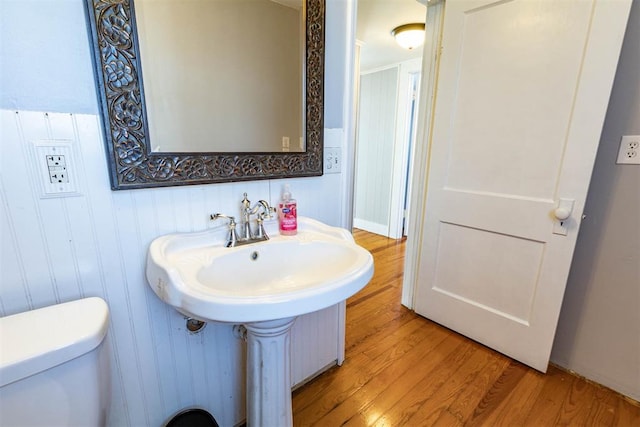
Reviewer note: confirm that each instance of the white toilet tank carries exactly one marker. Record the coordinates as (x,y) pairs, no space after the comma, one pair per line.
(54,366)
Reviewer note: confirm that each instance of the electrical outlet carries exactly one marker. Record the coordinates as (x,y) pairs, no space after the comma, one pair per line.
(54,161)
(58,175)
(332,159)
(629,152)
(55,168)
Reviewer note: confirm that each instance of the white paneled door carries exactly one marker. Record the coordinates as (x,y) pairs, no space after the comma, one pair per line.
(523,87)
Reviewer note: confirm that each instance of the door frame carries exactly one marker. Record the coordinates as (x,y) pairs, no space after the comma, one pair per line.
(403,151)
(426,103)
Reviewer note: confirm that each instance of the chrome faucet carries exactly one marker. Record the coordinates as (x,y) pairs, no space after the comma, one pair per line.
(261,210)
(246,218)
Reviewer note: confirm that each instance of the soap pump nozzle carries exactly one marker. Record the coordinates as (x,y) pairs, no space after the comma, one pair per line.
(286,193)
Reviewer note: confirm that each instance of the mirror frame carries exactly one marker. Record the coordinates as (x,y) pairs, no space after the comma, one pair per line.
(132,164)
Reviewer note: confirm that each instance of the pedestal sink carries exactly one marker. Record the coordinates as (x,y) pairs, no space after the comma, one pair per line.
(262,286)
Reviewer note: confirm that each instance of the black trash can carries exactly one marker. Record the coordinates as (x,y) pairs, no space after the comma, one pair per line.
(193,417)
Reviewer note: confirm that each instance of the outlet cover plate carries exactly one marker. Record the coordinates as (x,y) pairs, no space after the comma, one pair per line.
(629,153)
(55,168)
(332,159)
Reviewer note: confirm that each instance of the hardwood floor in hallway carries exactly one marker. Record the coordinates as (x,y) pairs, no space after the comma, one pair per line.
(404,370)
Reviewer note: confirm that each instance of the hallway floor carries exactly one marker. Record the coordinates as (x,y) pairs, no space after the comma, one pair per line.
(404,370)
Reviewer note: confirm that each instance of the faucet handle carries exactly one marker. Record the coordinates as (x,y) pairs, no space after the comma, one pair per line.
(267,211)
(232,239)
(232,219)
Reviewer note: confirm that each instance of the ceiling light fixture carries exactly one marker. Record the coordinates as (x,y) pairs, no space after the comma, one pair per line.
(409,36)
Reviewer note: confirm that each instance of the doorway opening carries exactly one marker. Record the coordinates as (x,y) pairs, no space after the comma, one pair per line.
(385,140)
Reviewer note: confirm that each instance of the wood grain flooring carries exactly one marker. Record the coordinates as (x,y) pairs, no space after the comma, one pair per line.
(404,370)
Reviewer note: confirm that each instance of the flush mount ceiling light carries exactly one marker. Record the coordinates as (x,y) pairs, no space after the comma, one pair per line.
(409,36)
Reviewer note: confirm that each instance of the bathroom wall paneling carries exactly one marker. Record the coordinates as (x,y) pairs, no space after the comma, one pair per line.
(375,149)
(94,244)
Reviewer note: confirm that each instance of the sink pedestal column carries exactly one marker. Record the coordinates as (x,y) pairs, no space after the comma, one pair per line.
(269,373)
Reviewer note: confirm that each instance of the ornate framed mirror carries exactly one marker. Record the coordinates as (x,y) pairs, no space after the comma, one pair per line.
(133,163)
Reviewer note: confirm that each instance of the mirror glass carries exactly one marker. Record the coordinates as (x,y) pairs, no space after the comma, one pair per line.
(236,64)
(232,90)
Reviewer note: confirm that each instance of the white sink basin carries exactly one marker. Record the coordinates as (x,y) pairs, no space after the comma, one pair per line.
(263,286)
(283,277)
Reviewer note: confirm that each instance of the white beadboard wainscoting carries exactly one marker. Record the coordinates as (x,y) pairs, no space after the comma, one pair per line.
(94,244)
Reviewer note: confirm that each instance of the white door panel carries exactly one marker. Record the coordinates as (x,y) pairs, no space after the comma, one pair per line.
(501,213)
(498,273)
(523,87)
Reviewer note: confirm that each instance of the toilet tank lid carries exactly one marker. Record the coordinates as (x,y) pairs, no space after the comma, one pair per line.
(37,340)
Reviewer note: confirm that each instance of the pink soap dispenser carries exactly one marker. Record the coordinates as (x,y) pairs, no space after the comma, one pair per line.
(288,213)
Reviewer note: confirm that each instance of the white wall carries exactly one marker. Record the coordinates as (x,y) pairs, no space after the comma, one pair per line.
(45,63)
(61,249)
(598,333)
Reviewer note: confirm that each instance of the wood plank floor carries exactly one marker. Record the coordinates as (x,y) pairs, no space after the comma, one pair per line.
(404,370)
